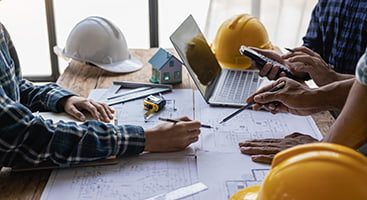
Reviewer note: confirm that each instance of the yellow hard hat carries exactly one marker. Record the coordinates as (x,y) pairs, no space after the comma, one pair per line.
(317,171)
(243,29)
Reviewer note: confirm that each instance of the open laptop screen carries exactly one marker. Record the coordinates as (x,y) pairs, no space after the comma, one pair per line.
(196,55)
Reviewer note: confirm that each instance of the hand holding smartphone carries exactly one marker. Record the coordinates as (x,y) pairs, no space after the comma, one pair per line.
(261,60)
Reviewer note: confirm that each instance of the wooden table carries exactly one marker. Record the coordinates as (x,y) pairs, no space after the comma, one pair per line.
(81,79)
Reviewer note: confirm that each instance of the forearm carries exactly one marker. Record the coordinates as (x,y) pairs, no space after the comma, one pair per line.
(333,96)
(350,128)
(341,77)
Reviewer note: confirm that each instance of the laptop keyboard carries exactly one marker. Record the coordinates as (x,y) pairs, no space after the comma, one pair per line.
(238,85)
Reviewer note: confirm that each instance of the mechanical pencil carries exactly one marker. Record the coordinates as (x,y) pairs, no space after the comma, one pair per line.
(175,121)
(275,88)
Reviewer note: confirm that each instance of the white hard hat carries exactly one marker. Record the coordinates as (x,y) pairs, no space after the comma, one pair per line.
(97,41)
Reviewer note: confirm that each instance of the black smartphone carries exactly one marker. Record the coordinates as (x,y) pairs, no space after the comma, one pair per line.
(261,60)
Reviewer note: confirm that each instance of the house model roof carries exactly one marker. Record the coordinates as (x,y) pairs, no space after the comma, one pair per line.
(161,58)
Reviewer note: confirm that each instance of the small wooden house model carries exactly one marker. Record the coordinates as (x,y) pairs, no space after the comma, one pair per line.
(166,68)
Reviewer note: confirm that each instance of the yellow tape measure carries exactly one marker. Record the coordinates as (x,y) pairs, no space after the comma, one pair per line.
(153,104)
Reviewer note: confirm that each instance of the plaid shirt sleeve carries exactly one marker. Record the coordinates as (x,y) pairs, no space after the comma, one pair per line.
(29,140)
(42,97)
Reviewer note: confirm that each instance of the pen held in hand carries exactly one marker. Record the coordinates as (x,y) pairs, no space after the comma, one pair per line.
(275,88)
(290,50)
(175,121)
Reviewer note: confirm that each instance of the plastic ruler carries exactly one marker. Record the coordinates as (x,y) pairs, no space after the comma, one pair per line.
(136,91)
(181,192)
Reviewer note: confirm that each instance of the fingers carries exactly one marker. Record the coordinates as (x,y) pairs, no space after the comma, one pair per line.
(92,109)
(304,59)
(73,111)
(268,53)
(184,118)
(263,90)
(274,73)
(98,111)
(260,141)
(193,139)
(264,159)
(259,150)
(191,127)
(263,96)
(102,112)
(266,97)
(306,51)
(300,51)
(192,131)
(265,70)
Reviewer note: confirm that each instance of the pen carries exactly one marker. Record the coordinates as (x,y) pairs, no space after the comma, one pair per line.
(290,50)
(275,88)
(175,121)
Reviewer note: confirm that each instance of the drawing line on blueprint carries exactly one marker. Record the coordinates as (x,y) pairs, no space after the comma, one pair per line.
(226,137)
(133,178)
(258,176)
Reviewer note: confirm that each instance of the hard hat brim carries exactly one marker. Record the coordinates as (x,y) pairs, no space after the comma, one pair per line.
(249,193)
(128,65)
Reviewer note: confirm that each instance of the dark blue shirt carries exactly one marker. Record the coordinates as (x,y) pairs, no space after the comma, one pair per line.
(338,32)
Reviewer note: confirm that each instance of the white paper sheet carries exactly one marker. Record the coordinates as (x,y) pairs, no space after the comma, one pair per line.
(246,125)
(226,173)
(218,164)
(134,178)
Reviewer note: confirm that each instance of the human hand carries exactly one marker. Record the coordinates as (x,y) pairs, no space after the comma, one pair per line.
(75,106)
(168,137)
(273,72)
(313,64)
(294,97)
(264,150)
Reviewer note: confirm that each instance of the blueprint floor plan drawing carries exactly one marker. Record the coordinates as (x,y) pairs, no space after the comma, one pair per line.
(215,160)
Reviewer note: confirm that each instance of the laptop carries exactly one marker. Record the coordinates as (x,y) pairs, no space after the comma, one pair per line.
(219,87)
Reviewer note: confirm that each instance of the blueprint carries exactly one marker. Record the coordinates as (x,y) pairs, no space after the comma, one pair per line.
(132,179)
(233,171)
(214,160)
(246,125)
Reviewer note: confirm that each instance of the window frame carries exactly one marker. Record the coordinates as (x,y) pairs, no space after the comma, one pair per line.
(51,30)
